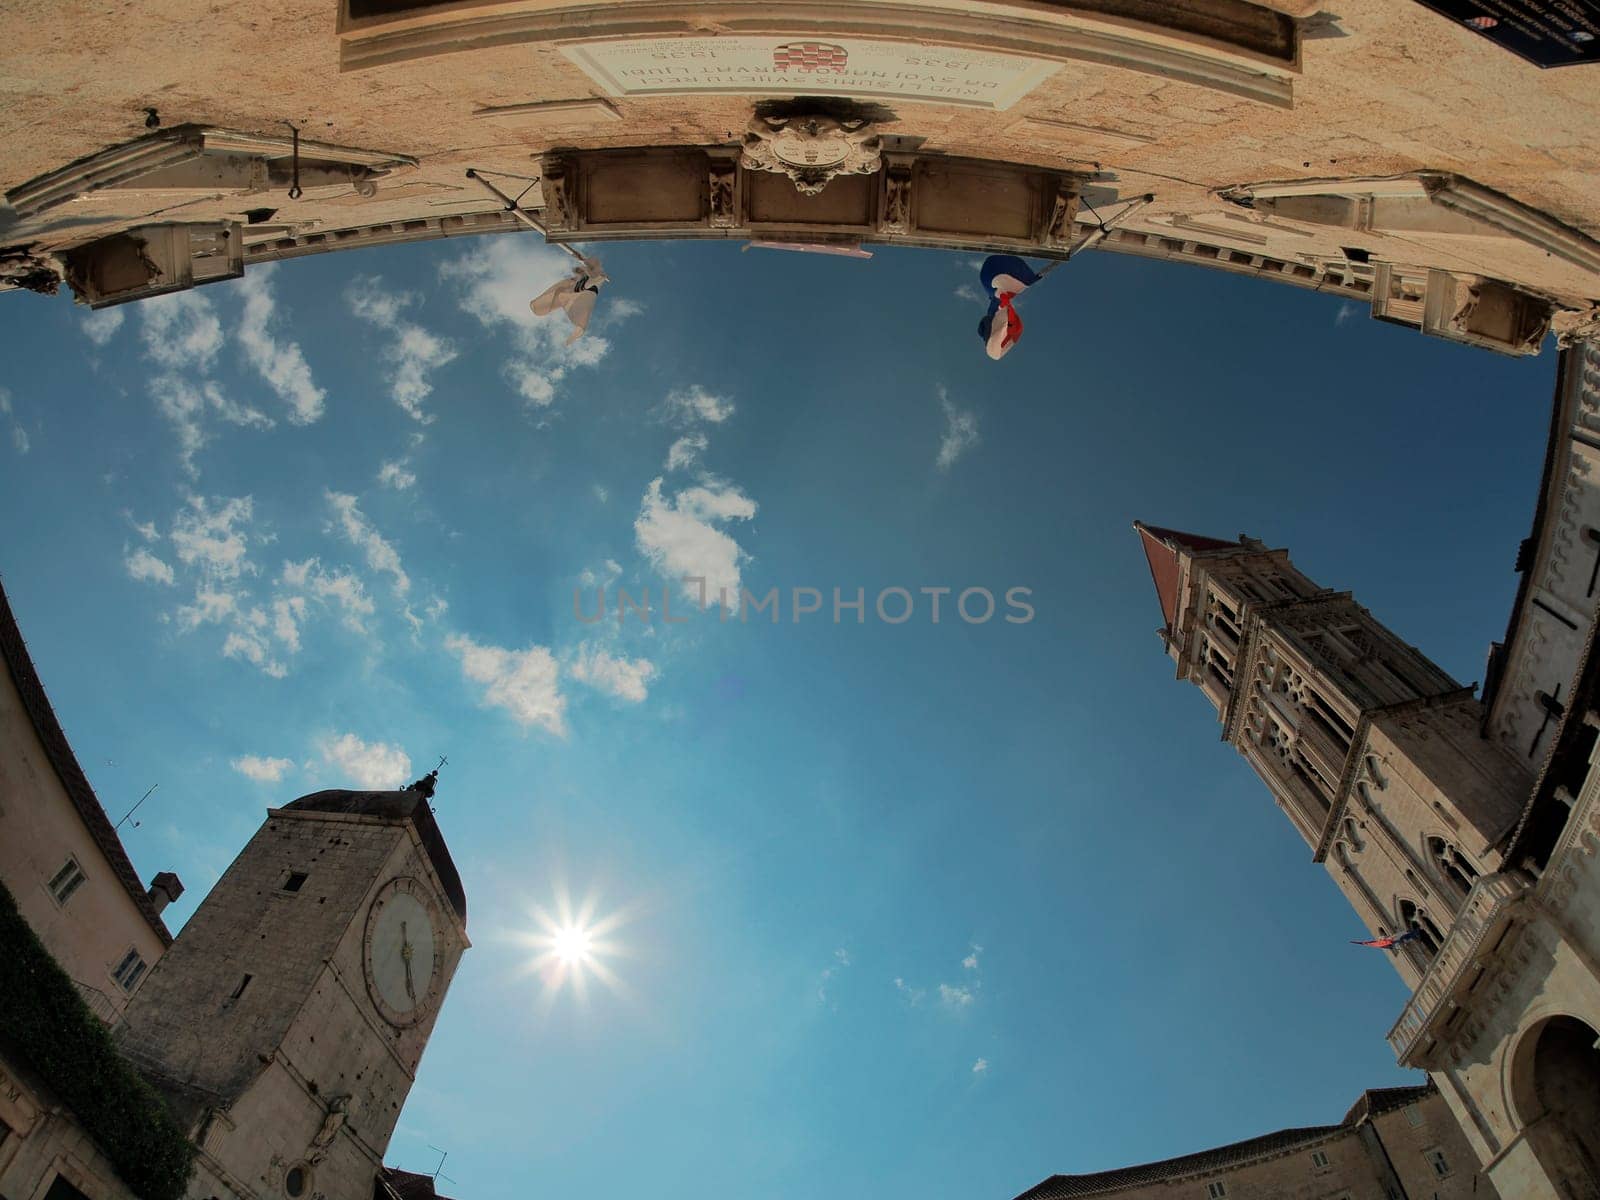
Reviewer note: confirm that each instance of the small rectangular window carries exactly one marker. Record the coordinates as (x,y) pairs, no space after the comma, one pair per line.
(61,1189)
(1319,1159)
(295,881)
(1436,1159)
(1215,1190)
(129,971)
(1413,1115)
(67,880)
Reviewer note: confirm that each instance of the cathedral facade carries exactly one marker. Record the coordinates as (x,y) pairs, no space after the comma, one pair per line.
(1464,827)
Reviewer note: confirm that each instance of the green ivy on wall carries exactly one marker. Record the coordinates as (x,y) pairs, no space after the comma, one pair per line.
(45,1023)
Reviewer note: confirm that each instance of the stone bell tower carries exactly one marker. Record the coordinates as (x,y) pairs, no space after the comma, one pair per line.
(1372,751)
(286,1022)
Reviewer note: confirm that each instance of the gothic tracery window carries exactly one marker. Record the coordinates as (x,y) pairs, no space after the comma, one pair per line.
(1426,944)
(1352,836)
(1451,866)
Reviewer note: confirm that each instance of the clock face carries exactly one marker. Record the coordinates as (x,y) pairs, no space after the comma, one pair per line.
(402,955)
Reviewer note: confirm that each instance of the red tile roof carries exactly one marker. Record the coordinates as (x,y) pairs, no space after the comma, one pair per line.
(404,1185)
(1161,547)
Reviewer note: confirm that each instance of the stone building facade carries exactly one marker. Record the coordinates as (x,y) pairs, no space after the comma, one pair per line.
(71,880)
(1373,149)
(1468,825)
(1394,1144)
(282,1027)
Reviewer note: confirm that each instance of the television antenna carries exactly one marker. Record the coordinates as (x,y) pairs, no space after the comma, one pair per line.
(135,809)
(438,1171)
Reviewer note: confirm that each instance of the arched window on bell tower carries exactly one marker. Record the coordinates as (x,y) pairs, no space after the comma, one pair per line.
(1451,867)
(1425,946)
(1223,617)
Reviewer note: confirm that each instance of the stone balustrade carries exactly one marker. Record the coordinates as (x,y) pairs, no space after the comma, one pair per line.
(1447,984)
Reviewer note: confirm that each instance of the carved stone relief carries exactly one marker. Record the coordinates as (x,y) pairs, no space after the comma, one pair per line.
(812,149)
(560,199)
(724,174)
(896,216)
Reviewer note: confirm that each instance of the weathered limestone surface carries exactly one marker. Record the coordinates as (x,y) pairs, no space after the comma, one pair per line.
(1382,88)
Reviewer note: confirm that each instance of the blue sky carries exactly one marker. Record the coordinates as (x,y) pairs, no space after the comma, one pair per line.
(946,907)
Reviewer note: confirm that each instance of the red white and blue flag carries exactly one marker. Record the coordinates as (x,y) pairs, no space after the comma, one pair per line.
(1004,278)
(1389,943)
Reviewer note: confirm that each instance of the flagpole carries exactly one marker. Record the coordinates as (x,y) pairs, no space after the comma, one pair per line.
(517,211)
(1096,236)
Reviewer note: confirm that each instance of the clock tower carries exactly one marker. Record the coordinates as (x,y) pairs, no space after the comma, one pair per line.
(315,969)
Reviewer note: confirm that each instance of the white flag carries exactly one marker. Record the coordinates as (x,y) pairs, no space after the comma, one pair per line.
(574,296)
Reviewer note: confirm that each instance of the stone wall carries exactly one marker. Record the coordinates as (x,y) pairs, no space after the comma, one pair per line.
(191,1021)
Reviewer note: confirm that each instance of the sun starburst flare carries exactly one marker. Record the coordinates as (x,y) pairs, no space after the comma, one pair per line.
(571,945)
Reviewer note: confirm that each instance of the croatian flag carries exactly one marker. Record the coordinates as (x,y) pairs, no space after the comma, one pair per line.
(1389,943)
(1004,278)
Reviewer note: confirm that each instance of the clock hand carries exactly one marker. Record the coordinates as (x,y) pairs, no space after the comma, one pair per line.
(405,957)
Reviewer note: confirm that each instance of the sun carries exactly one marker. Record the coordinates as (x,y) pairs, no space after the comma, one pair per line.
(571,945)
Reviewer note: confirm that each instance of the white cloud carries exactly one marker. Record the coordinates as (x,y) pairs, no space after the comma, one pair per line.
(981,1066)
(19,435)
(608,573)
(210,539)
(970,962)
(373,765)
(413,352)
(620,309)
(686,451)
(396,475)
(523,682)
(626,679)
(287,614)
(281,364)
(340,588)
(955,997)
(678,535)
(601,494)
(693,404)
(186,405)
(1346,311)
(262,770)
(147,531)
(211,606)
(180,329)
(147,568)
(969,293)
(380,553)
(841,960)
(913,995)
(247,643)
(100,327)
(960,432)
(497,282)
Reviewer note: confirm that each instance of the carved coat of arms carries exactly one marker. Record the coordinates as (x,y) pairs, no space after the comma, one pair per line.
(811,150)
(817,57)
